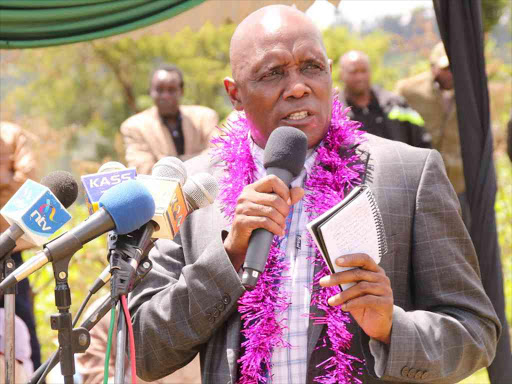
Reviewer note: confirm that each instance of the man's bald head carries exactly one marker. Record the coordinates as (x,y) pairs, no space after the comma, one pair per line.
(355,73)
(265,24)
(353,56)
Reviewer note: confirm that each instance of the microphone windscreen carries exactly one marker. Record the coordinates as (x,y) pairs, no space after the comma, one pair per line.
(130,205)
(63,186)
(171,168)
(286,149)
(111,166)
(201,190)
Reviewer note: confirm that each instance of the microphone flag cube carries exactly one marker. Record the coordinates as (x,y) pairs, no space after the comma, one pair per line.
(36,210)
(170,206)
(97,183)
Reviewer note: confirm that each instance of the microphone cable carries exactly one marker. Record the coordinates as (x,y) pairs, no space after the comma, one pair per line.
(109,343)
(131,338)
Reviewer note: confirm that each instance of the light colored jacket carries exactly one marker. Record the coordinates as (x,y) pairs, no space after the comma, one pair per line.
(17,164)
(444,325)
(423,94)
(147,139)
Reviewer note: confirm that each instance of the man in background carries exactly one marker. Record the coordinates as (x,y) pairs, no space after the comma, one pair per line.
(17,164)
(167,128)
(382,113)
(431,93)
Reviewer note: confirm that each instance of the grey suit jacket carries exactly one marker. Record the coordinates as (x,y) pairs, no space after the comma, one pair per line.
(444,326)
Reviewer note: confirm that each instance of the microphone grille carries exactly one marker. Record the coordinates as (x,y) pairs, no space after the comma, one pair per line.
(170,167)
(286,149)
(63,186)
(111,166)
(200,190)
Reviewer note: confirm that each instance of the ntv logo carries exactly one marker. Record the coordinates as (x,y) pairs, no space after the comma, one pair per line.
(39,215)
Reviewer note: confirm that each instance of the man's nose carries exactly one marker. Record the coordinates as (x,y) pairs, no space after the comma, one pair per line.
(296,86)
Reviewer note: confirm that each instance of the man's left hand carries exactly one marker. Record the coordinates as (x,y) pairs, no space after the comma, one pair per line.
(370,300)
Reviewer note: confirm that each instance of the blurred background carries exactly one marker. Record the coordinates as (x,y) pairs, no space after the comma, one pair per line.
(73,98)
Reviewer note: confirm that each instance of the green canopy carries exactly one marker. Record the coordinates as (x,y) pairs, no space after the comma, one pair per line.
(42,23)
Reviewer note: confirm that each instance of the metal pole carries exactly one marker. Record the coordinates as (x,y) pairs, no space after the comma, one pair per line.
(120,346)
(9,330)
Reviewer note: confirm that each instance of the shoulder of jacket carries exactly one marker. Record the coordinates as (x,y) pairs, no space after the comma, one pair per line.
(194,110)
(391,151)
(143,115)
(415,83)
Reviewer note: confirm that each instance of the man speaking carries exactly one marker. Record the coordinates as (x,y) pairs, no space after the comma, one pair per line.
(419,316)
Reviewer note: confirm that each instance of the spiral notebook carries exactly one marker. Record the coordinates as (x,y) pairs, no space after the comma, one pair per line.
(354,225)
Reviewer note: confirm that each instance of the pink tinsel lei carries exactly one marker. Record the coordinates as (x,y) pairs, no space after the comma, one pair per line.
(336,171)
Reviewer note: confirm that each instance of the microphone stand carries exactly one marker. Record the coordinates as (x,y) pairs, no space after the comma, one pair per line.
(62,321)
(9,328)
(125,253)
(81,335)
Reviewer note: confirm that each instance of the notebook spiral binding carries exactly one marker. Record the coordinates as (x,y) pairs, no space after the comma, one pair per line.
(381,234)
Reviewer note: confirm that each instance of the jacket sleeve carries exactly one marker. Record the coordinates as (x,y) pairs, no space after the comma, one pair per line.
(454,330)
(23,159)
(178,306)
(137,151)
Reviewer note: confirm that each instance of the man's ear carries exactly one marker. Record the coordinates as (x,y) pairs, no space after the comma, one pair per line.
(232,91)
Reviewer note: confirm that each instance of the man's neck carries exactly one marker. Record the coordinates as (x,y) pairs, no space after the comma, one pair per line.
(361,100)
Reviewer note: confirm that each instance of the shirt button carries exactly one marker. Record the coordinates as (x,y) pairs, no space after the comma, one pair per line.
(226,299)
(405,371)
(220,306)
(426,376)
(418,375)
(412,373)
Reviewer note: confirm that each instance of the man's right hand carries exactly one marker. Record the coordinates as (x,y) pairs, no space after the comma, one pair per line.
(263,204)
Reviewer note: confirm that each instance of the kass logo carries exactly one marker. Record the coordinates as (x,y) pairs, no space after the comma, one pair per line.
(110,180)
(41,214)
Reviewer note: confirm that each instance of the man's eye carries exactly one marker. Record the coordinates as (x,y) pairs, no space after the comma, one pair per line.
(311,67)
(272,74)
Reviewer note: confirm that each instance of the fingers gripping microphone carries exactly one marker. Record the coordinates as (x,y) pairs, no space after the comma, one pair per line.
(125,208)
(37,211)
(285,154)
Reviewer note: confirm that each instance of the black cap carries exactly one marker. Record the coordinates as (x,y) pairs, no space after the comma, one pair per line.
(63,186)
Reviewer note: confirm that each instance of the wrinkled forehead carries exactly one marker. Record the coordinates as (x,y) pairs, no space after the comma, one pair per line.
(279,42)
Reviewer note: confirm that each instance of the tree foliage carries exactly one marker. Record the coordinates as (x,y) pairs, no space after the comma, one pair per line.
(492,10)
(91,88)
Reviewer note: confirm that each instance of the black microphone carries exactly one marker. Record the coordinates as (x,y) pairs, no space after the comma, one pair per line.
(32,214)
(285,154)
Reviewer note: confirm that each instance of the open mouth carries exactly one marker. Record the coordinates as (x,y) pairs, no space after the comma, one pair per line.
(298,115)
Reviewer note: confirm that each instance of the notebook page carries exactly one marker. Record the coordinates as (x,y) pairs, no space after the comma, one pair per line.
(351,230)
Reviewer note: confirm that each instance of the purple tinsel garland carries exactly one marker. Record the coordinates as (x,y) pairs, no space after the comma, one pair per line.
(332,175)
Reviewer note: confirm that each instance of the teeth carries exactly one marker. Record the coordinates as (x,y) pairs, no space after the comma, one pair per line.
(298,115)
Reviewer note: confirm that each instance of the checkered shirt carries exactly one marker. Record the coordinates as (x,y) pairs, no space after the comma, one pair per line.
(289,364)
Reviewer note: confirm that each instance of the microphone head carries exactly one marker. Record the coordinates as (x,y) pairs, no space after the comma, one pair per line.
(111,166)
(130,205)
(200,190)
(171,168)
(286,149)
(63,186)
